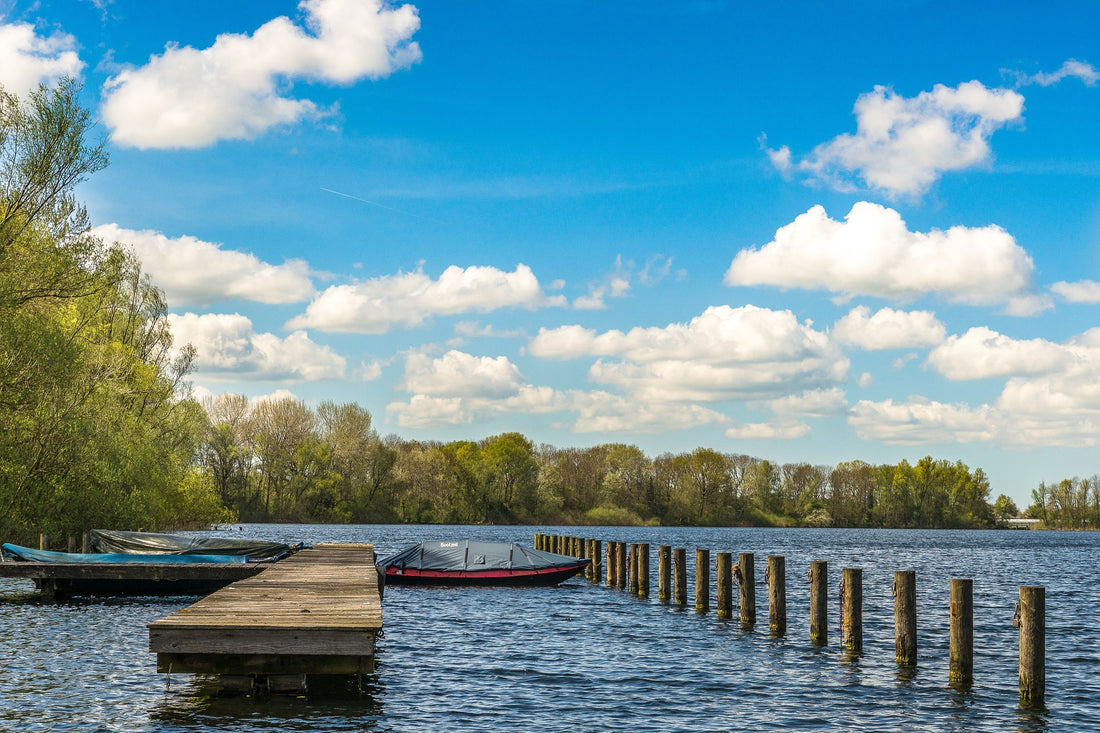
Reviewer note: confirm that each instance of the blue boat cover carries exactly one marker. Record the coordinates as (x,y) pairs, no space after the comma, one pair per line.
(471,555)
(15,552)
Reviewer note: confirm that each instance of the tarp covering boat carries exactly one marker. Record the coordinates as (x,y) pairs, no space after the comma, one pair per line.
(27,554)
(117,541)
(469,562)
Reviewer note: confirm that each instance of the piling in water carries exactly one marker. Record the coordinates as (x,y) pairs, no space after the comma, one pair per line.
(723,578)
(43,541)
(612,564)
(851,594)
(622,559)
(961,650)
(905,617)
(643,570)
(1032,620)
(664,572)
(776,579)
(597,557)
(702,581)
(747,575)
(679,576)
(633,569)
(819,602)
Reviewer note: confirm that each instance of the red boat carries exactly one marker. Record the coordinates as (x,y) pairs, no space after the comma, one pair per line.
(468,562)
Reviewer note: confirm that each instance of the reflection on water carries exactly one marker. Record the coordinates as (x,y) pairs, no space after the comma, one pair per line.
(585,657)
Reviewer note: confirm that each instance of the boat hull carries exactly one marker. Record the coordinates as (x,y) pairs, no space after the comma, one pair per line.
(507,578)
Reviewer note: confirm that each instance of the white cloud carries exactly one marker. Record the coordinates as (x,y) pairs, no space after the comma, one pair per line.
(812,403)
(26,59)
(239,87)
(889,329)
(1071,68)
(458,374)
(725,353)
(982,353)
(369,371)
(409,299)
(1082,291)
(873,253)
(903,145)
(921,421)
(229,349)
(602,412)
(475,329)
(190,270)
(768,431)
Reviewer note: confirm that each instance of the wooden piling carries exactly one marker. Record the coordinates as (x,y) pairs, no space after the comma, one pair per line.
(679,576)
(620,558)
(905,617)
(86,544)
(632,570)
(961,650)
(664,572)
(776,579)
(597,558)
(643,570)
(819,602)
(747,572)
(723,572)
(612,564)
(702,580)
(851,593)
(1031,613)
(43,541)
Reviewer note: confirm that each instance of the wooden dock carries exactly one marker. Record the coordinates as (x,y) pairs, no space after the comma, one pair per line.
(315,613)
(62,579)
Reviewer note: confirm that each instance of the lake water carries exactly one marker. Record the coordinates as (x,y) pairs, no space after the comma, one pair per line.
(582,657)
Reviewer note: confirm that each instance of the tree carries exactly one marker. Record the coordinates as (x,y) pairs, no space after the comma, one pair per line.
(1005,508)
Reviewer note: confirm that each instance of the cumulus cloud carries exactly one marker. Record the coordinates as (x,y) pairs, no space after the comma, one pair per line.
(725,353)
(872,252)
(903,145)
(921,421)
(1082,291)
(27,59)
(190,270)
(982,353)
(239,87)
(1071,68)
(889,329)
(1052,396)
(459,388)
(409,299)
(230,349)
(812,403)
(768,431)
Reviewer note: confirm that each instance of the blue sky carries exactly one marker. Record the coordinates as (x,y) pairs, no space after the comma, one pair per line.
(801,231)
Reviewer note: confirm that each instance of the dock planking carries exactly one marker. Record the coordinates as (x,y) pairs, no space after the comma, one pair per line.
(63,579)
(316,612)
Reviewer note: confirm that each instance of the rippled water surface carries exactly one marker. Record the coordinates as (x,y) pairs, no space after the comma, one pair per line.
(581,657)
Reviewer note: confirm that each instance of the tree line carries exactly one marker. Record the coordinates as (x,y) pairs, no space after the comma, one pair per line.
(280,460)
(98,429)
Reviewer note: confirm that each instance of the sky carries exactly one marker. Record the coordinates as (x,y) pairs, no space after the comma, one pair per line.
(800,231)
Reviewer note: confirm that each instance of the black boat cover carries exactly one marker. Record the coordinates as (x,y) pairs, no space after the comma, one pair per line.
(469,556)
(105,540)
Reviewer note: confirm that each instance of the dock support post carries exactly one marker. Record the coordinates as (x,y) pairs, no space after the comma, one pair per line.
(43,541)
(851,594)
(776,579)
(664,572)
(86,545)
(1032,620)
(819,602)
(620,558)
(961,649)
(905,617)
(747,574)
(632,571)
(679,576)
(597,558)
(612,564)
(643,570)
(702,581)
(723,578)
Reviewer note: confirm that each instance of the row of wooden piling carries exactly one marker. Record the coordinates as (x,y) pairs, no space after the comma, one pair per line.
(76,543)
(627,569)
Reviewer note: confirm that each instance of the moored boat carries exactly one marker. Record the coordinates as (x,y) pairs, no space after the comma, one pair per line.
(469,562)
